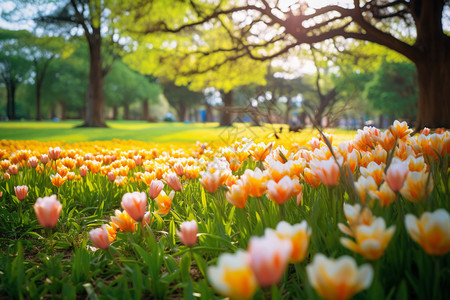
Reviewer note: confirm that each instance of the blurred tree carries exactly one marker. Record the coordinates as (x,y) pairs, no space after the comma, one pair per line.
(213,33)
(393,90)
(124,87)
(89,16)
(180,97)
(14,65)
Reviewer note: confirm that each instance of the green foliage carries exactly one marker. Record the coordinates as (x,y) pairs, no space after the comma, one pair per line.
(393,90)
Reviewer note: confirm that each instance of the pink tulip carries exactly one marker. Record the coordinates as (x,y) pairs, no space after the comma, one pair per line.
(135,204)
(173,181)
(111,176)
(178,168)
(54,153)
(269,257)
(326,170)
(99,237)
(396,175)
(13,169)
(33,162)
(188,233)
(47,211)
(44,159)
(21,191)
(156,187)
(83,171)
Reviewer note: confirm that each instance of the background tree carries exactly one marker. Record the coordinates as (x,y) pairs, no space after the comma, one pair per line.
(180,97)
(91,17)
(263,30)
(393,91)
(124,87)
(14,65)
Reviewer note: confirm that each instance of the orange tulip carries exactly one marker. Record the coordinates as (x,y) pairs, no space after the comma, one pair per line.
(164,202)
(57,180)
(21,192)
(326,170)
(237,195)
(123,221)
(431,231)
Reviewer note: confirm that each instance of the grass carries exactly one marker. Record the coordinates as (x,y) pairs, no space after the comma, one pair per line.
(67,131)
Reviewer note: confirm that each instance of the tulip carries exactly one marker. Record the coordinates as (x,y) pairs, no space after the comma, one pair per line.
(21,192)
(83,171)
(122,221)
(232,277)
(400,130)
(237,195)
(298,235)
(188,233)
(417,186)
(173,181)
(338,279)
(54,153)
(100,237)
(261,150)
(371,240)
(210,181)
(13,169)
(178,168)
(255,182)
(156,186)
(111,176)
(396,175)
(135,204)
(269,257)
(282,191)
(44,159)
(364,185)
(384,195)
(47,211)
(326,170)
(164,202)
(57,180)
(33,162)
(355,216)
(373,170)
(431,231)
(148,219)
(311,178)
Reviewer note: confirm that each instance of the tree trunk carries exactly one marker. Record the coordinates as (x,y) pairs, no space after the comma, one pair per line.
(209,113)
(225,119)
(63,111)
(434,91)
(38,100)
(145,110)
(181,111)
(95,99)
(115,112)
(10,95)
(433,66)
(126,110)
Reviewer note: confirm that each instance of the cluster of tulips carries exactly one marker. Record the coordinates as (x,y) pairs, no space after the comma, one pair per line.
(377,166)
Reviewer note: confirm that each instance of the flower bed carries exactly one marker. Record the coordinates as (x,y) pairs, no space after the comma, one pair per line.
(366,218)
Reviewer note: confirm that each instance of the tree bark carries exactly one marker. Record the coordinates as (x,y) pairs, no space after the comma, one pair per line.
(126,110)
(145,110)
(95,99)
(115,112)
(227,99)
(209,113)
(10,106)
(181,111)
(433,67)
(38,100)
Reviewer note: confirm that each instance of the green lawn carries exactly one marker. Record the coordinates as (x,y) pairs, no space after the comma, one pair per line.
(66,131)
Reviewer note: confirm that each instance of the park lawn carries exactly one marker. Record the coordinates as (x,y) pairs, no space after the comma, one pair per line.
(161,133)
